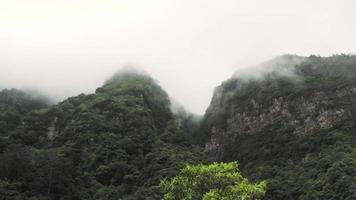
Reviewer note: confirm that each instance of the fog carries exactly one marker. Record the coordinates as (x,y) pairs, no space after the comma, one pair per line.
(66,47)
(284,66)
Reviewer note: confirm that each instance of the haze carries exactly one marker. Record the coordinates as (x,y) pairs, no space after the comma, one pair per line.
(66,47)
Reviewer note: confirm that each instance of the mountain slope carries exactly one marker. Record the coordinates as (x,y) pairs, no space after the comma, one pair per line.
(295,129)
(289,121)
(14,104)
(114,144)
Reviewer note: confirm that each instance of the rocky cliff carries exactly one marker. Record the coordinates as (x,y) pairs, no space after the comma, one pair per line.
(290,121)
(285,122)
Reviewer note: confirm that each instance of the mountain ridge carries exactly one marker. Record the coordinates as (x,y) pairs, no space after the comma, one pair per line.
(116,143)
(277,125)
(291,125)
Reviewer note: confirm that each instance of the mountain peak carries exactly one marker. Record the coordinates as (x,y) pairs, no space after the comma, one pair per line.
(279,128)
(129,71)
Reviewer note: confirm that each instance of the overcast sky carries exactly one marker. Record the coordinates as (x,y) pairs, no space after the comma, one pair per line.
(65,47)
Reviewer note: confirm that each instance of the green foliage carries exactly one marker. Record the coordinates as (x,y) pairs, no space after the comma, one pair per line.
(217,181)
(315,162)
(121,141)
(14,105)
(115,144)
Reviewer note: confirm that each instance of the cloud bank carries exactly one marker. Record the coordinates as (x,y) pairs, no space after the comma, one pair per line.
(63,48)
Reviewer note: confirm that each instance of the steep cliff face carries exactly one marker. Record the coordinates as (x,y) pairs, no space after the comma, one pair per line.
(279,122)
(290,121)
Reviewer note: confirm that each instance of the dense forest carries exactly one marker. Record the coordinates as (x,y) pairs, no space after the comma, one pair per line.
(294,130)
(117,143)
(290,130)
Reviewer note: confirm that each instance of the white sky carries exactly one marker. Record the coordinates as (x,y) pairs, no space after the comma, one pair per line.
(65,47)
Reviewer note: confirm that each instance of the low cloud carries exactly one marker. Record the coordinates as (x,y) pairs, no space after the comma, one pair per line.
(284,66)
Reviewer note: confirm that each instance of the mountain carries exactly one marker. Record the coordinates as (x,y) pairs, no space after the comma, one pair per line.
(117,143)
(292,124)
(290,121)
(14,105)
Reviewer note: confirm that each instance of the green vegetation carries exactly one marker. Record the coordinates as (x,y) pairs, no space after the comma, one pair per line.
(298,135)
(217,181)
(115,144)
(14,105)
(123,142)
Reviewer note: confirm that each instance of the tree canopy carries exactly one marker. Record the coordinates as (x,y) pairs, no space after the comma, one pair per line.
(216,181)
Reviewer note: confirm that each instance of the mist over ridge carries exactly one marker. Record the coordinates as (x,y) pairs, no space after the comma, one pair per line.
(283,65)
(177,99)
(63,48)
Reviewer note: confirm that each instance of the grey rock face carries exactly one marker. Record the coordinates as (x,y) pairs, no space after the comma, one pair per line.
(52,132)
(242,108)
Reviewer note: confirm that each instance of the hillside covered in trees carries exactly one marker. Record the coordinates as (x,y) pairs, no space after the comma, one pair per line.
(14,105)
(290,126)
(294,126)
(115,144)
